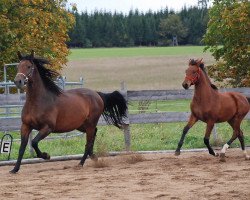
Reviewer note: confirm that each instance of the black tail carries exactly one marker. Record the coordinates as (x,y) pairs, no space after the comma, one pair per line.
(115,107)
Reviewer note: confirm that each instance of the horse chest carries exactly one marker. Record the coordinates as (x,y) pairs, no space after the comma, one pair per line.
(202,114)
(34,118)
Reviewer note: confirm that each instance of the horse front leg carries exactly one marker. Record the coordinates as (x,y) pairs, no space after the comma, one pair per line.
(191,122)
(44,132)
(25,132)
(210,126)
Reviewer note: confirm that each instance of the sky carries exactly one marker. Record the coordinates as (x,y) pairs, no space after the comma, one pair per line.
(126,5)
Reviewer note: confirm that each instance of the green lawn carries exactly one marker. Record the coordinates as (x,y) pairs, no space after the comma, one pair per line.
(77,54)
(161,136)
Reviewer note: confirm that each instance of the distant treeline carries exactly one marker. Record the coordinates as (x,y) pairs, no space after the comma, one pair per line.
(106,29)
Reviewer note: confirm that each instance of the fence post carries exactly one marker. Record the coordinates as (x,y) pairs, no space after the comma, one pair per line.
(126,128)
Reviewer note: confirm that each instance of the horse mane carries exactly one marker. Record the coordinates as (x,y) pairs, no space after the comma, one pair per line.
(202,66)
(47,75)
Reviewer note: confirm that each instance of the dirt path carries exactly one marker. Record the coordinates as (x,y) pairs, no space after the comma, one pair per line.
(152,176)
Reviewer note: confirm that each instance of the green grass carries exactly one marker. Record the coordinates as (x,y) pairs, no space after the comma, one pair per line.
(162,136)
(77,54)
(159,106)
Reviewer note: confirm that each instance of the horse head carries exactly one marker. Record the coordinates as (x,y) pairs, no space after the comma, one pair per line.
(25,70)
(193,73)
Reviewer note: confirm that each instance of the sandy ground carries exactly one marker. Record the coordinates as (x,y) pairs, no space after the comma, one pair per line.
(150,176)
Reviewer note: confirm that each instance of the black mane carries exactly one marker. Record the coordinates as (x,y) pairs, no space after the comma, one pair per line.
(202,66)
(47,75)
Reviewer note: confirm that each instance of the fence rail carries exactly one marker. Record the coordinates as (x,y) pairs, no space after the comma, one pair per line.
(13,123)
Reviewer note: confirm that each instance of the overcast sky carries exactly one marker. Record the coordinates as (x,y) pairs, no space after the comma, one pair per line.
(126,5)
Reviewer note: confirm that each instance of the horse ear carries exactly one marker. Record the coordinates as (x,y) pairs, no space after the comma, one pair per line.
(32,54)
(19,55)
(200,63)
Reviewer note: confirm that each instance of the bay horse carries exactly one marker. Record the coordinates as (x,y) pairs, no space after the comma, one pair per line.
(211,106)
(48,108)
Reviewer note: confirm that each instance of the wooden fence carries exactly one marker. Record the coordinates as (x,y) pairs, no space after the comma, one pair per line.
(11,123)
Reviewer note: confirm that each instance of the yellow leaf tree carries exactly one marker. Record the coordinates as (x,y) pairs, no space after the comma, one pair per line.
(228,38)
(41,25)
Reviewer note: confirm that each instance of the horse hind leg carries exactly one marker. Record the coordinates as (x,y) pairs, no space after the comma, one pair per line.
(242,143)
(226,146)
(90,136)
(91,154)
(235,124)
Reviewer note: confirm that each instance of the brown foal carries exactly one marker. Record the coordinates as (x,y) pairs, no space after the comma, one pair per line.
(211,106)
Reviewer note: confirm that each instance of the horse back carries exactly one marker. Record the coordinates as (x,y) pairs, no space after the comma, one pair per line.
(77,108)
(80,100)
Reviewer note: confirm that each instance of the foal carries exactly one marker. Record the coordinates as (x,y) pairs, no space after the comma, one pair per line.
(211,106)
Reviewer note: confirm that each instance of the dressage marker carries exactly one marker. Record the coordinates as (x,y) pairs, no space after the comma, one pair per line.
(6,144)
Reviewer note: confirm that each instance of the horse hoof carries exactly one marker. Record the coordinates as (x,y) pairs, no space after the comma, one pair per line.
(94,157)
(78,167)
(216,154)
(177,153)
(247,158)
(222,157)
(13,171)
(45,156)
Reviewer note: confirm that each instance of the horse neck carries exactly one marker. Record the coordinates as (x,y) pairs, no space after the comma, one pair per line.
(36,90)
(203,91)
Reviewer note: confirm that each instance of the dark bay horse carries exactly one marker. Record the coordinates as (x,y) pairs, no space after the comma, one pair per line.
(50,109)
(211,106)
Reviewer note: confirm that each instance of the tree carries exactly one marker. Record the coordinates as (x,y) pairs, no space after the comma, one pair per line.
(227,37)
(172,27)
(41,25)
(196,20)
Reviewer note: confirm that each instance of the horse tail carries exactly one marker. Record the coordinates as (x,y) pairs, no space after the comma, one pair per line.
(115,107)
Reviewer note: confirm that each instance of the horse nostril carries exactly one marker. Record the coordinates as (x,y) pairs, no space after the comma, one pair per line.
(185,85)
(18,82)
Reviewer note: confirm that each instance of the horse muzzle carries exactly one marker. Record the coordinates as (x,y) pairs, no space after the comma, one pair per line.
(20,82)
(186,85)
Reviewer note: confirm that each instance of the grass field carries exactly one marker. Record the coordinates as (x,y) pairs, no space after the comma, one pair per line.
(141,68)
(78,54)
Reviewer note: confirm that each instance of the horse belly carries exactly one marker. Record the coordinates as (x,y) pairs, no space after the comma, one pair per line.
(226,113)
(70,120)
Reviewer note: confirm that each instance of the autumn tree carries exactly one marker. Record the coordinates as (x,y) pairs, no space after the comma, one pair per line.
(41,25)
(228,38)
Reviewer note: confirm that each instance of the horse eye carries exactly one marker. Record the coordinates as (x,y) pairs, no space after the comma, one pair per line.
(29,67)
